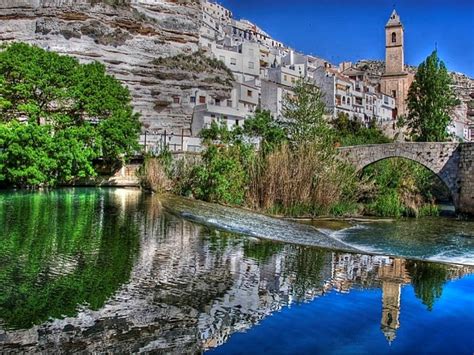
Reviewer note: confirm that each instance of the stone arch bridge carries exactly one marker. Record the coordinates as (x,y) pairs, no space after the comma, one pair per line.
(453,163)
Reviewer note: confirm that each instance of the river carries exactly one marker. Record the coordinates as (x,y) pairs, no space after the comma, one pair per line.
(117,270)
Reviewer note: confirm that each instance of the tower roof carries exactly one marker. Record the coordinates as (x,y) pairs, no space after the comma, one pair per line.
(394,20)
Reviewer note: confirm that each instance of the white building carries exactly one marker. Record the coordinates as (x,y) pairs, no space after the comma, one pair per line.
(284,75)
(383,108)
(231,111)
(339,94)
(266,71)
(243,59)
(272,97)
(205,114)
(217,11)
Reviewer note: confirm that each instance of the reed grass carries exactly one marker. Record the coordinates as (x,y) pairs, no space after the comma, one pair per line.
(301,180)
(154,177)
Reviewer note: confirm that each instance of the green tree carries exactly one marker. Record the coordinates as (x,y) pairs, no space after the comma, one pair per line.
(222,176)
(304,113)
(263,125)
(430,101)
(352,132)
(57,116)
(223,173)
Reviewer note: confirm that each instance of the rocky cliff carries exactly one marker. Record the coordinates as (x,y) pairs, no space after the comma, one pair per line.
(127,36)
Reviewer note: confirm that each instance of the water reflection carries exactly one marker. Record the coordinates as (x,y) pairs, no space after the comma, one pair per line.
(149,281)
(58,251)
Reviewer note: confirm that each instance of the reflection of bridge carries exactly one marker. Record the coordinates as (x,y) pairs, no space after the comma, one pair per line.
(453,163)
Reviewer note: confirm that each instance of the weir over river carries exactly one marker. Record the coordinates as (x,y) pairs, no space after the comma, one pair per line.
(116,270)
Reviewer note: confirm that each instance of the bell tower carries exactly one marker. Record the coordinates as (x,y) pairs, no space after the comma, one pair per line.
(394,57)
(395,82)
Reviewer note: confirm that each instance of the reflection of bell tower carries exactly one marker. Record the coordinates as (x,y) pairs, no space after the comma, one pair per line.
(390,309)
(392,276)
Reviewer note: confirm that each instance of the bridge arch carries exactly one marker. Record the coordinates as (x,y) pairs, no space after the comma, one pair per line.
(440,158)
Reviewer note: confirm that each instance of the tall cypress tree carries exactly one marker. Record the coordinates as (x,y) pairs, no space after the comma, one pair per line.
(431,100)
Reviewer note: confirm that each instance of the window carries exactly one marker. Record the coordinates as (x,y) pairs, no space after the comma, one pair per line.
(202,99)
(348,100)
(394,93)
(193,99)
(176,100)
(251,65)
(229,103)
(233,61)
(285,78)
(344,100)
(237,123)
(218,102)
(222,58)
(249,93)
(394,37)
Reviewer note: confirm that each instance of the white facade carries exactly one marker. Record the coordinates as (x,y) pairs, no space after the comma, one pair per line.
(272,98)
(384,107)
(205,114)
(284,76)
(243,59)
(231,111)
(137,2)
(217,11)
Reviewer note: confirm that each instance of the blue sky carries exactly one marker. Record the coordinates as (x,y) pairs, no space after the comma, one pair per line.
(339,30)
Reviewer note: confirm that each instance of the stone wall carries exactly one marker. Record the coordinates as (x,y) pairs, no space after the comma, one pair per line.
(466,179)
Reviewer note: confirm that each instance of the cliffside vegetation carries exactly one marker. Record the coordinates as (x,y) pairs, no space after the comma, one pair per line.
(57,117)
(196,63)
(117,3)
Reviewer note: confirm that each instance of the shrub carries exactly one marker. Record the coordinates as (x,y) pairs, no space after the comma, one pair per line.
(221,177)
(153,175)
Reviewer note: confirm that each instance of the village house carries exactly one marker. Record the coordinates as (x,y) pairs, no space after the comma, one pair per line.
(265,71)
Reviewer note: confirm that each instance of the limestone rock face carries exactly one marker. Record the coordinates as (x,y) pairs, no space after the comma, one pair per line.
(125,36)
